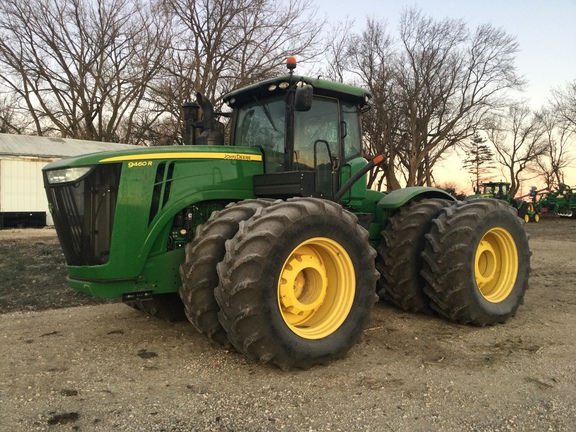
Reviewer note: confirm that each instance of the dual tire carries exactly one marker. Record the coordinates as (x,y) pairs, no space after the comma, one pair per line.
(294,284)
(477,262)
(468,261)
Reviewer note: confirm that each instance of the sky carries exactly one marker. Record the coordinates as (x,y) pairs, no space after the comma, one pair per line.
(544,29)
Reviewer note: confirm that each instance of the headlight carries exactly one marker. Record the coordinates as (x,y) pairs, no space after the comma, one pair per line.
(67,175)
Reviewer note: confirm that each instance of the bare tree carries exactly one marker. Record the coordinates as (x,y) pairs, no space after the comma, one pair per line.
(371,58)
(519,140)
(119,70)
(337,61)
(8,120)
(558,138)
(432,87)
(81,69)
(564,103)
(219,45)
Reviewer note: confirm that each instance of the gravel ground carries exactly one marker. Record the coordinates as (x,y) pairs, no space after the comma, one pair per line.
(108,367)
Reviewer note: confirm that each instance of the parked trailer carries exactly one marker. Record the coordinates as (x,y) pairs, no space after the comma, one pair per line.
(22,197)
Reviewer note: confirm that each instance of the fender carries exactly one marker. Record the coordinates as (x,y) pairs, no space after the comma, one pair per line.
(399,197)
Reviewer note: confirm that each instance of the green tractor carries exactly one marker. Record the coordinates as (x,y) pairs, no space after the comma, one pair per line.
(561,202)
(273,244)
(501,190)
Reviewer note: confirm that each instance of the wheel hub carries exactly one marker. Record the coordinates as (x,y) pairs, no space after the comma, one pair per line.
(496,265)
(485,263)
(303,284)
(316,288)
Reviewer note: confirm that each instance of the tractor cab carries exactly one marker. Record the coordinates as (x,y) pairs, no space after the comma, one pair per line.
(498,190)
(307,129)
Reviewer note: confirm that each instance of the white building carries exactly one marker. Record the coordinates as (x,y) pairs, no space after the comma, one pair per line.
(22,196)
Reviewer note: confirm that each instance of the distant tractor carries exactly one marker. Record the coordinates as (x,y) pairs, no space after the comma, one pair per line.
(273,244)
(561,202)
(501,190)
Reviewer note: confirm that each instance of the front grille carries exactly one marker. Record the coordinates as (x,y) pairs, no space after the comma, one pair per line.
(83,214)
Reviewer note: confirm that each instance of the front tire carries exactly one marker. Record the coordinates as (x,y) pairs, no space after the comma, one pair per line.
(477,262)
(198,272)
(297,284)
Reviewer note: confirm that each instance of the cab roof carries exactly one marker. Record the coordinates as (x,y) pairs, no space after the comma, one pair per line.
(492,183)
(276,86)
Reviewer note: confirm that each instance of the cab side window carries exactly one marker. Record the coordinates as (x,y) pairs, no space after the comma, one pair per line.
(316,131)
(352,138)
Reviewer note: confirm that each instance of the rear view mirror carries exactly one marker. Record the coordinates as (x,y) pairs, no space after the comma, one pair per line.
(303,98)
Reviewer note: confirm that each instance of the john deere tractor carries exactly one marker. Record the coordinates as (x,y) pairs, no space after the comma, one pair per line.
(273,244)
(501,190)
(561,202)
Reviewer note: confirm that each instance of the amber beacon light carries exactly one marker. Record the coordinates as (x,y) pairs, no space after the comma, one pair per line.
(291,63)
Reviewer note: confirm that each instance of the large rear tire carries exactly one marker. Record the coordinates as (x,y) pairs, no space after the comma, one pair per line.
(477,262)
(399,261)
(198,272)
(297,284)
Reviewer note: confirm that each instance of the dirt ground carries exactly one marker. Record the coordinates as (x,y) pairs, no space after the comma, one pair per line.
(107,367)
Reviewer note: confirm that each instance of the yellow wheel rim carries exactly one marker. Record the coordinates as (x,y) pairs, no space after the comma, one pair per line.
(496,265)
(316,288)
(531,211)
(526,218)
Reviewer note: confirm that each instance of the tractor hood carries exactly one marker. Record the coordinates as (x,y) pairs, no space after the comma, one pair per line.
(146,154)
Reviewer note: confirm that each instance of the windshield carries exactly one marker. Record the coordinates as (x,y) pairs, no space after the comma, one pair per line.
(488,189)
(262,124)
(500,190)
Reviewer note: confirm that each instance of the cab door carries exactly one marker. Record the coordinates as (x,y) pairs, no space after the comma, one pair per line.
(317,138)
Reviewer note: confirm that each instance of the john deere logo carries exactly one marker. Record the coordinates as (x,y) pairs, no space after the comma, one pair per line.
(238,156)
